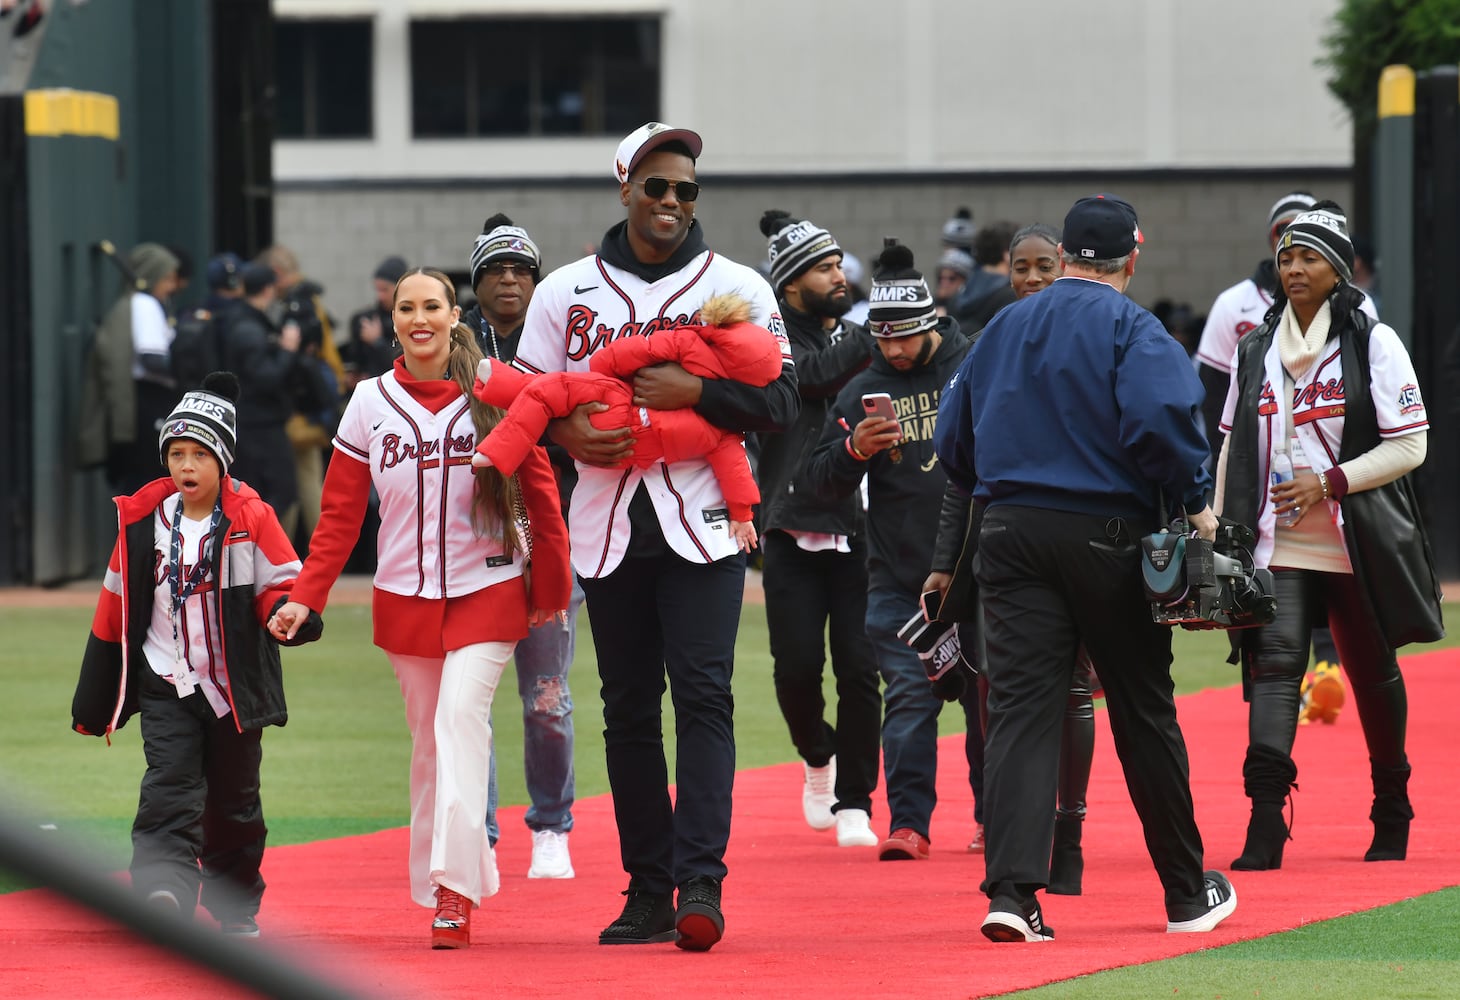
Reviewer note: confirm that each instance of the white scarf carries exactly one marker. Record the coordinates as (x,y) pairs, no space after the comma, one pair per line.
(1299,350)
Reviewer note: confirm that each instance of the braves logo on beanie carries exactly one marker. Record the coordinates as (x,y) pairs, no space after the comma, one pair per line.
(501,240)
(900,303)
(795,245)
(208,416)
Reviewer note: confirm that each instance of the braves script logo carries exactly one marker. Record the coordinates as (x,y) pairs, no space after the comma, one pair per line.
(1310,394)
(585,335)
(394,450)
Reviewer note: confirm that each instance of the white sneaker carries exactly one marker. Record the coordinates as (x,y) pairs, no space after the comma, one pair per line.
(854,829)
(818,795)
(550,855)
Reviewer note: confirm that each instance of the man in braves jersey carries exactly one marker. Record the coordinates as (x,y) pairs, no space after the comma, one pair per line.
(662,576)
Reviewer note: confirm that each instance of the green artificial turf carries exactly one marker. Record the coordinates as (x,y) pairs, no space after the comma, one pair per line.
(340,767)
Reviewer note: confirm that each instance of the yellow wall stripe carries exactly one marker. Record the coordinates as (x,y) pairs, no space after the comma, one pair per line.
(1396,92)
(71,112)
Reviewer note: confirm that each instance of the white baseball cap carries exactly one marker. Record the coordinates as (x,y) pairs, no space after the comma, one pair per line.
(644,140)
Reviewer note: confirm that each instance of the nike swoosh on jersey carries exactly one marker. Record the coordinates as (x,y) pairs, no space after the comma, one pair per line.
(376,425)
(580,290)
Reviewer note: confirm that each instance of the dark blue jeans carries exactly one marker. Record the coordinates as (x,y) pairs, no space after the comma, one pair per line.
(910,713)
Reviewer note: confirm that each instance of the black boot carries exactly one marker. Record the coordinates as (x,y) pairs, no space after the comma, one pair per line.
(1066,860)
(1267,775)
(1390,814)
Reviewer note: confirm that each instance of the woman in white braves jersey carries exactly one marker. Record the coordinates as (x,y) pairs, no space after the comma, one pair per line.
(451,593)
(1323,421)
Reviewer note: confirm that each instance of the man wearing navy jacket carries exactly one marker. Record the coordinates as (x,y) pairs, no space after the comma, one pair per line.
(1069,417)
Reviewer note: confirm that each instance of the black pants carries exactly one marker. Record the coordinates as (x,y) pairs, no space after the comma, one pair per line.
(199,804)
(1049,580)
(656,615)
(804,591)
(1307,599)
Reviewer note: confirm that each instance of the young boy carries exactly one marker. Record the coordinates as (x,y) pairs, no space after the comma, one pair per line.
(178,638)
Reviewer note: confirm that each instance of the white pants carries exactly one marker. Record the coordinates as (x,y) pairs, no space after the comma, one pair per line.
(449,713)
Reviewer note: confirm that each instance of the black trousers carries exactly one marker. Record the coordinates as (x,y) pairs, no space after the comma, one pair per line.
(1307,599)
(804,592)
(658,615)
(1049,580)
(199,804)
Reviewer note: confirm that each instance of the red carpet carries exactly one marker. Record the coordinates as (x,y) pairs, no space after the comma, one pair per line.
(801,913)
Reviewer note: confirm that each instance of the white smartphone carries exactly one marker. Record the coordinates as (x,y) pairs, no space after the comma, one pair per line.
(878,404)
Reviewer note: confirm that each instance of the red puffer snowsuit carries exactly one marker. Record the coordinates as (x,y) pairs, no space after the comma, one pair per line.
(742,351)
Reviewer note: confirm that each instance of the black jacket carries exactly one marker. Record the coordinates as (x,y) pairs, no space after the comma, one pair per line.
(905,484)
(823,367)
(253,576)
(1386,540)
(266,372)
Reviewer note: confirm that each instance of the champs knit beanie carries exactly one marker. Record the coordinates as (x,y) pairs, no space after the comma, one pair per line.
(899,304)
(1288,207)
(501,240)
(1323,228)
(794,246)
(206,415)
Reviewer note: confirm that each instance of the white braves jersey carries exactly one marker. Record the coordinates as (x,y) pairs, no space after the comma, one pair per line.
(198,646)
(1237,311)
(420,463)
(589,303)
(1318,413)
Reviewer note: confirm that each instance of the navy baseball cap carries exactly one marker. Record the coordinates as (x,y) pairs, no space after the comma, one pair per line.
(1101,227)
(225,271)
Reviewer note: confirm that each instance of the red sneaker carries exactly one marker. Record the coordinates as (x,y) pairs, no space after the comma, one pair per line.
(452,926)
(975,846)
(905,844)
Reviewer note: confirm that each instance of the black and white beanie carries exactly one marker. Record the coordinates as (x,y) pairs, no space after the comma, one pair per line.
(958,231)
(899,304)
(956,260)
(501,240)
(1288,207)
(795,245)
(208,416)
(1324,228)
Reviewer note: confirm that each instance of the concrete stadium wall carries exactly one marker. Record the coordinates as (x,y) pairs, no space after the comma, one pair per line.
(1204,231)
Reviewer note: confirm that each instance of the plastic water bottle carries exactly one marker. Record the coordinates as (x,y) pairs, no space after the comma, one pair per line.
(1282,471)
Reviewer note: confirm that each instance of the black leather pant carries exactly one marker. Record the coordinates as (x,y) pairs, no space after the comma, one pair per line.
(1305,599)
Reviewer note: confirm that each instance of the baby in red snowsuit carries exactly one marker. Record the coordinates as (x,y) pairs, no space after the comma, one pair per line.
(725,342)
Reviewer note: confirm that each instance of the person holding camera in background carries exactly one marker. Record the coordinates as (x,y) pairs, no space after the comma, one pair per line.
(917,351)
(1033,266)
(1322,378)
(1069,417)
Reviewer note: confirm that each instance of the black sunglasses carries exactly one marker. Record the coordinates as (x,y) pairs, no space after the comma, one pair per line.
(655,187)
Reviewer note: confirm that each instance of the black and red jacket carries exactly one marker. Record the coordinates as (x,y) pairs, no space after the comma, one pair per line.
(254,570)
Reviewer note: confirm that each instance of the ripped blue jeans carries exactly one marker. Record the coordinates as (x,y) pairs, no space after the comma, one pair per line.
(543,660)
